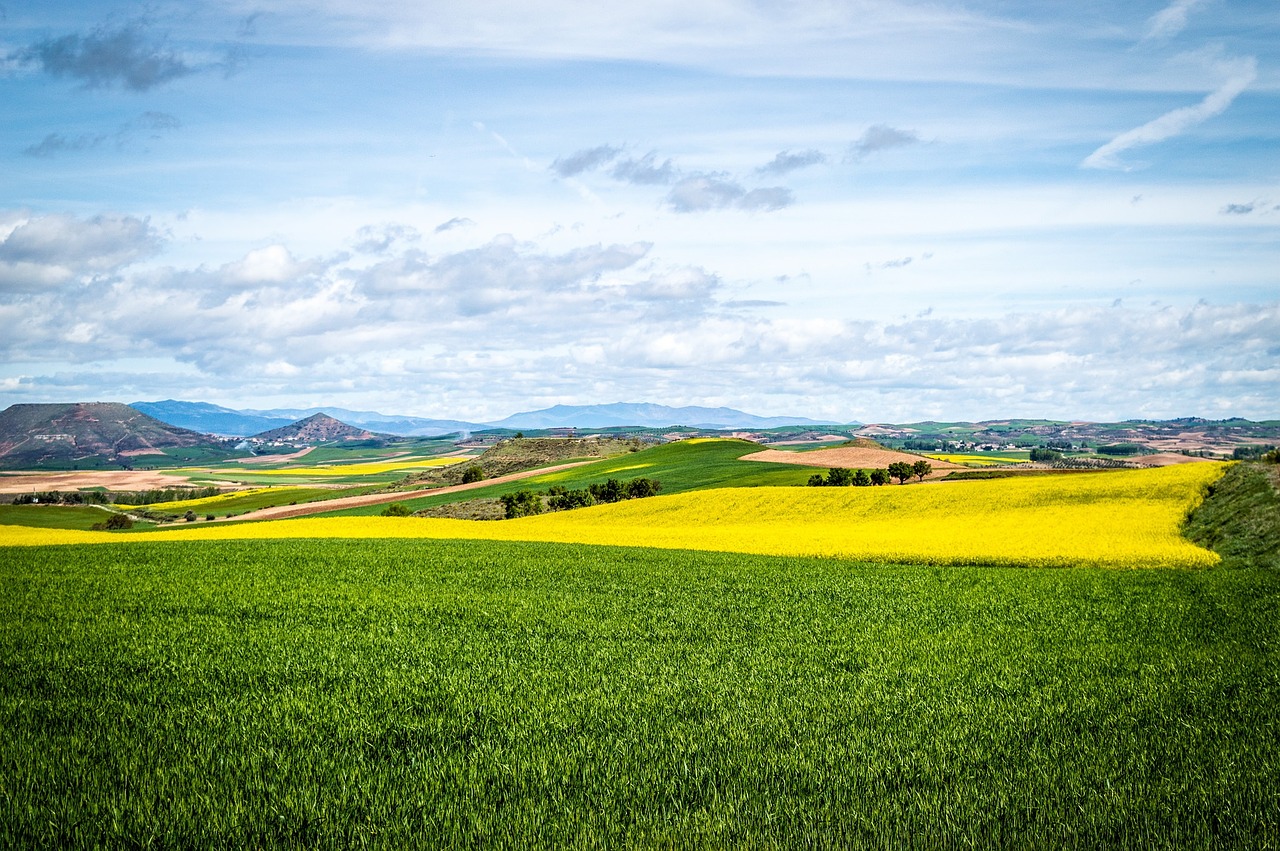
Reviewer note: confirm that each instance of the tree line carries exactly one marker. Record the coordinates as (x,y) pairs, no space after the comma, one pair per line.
(559,498)
(839,477)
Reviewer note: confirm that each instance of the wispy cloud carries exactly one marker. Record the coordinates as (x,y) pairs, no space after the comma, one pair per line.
(151,124)
(701,192)
(786,162)
(455,222)
(1170,20)
(584,160)
(56,143)
(1178,121)
(881,137)
(124,57)
(645,171)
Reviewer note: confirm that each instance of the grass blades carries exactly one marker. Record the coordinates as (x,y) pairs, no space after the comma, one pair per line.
(447,694)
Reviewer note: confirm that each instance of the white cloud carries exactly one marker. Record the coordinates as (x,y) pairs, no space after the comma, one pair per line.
(38,252)
(1178,121)
(1171,20)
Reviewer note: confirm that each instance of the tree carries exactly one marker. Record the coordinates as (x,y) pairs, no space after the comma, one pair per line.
(879,477)
(521,504)
(861,479)
(901,471)
(921,468)
(816,480)
(114,523)
(610,491)
(641,487)
(568,499)
(474,473)
(839,477)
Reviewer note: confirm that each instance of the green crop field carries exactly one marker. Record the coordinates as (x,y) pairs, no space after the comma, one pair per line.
(683,466)
(448,694)
(53,516)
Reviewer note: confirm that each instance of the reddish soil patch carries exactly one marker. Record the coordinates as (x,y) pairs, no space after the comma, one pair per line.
(850,457)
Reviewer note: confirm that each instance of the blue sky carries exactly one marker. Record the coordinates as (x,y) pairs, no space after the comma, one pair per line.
(877,211)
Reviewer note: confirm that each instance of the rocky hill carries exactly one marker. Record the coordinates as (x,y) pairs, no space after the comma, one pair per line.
(318,428)
(31,435)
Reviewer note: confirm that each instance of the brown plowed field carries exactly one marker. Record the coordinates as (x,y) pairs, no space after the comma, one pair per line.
(850,457)
(123,480)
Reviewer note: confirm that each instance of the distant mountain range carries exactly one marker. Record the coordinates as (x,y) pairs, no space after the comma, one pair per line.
(214,419)
(646,415)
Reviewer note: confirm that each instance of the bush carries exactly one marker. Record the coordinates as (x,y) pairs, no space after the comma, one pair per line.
(397,509)
(522,503)
(610,491)
(474,473)
(114,523)
(564,500)
(879,477)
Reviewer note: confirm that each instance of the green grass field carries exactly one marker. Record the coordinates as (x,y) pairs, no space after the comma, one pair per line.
(53,516)
(448,694)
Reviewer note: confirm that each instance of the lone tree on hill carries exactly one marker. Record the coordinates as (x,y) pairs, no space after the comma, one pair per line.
(921,468)
(901,471)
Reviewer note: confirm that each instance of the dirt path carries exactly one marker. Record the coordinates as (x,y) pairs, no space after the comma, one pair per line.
(282,512)
(271,459)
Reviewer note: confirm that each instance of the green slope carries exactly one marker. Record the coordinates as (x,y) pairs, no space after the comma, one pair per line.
(680,466)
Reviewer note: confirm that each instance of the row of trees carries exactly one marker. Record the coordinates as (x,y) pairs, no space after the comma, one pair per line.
(558,498)
(112,497)
(839,477)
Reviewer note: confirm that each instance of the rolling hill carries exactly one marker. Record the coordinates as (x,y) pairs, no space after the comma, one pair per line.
(43,434)
(317,428)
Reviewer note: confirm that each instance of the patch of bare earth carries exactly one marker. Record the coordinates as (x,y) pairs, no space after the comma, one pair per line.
(1167,459)
(269,459)
(851,458)
(123,480)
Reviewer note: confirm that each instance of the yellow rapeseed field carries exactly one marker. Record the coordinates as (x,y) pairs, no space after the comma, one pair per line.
(1127,518)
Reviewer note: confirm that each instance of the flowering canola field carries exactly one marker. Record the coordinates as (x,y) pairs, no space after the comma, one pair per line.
(1128,518)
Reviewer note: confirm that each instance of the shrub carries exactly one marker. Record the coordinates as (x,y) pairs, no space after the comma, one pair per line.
(114,523)
(474,473)
(397,509)
(522,503)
